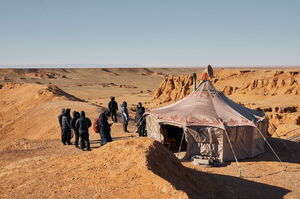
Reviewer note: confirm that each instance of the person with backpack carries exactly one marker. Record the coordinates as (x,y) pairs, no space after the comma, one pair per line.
(125,116)
(66,127)
(76,116)
(113,108)
(104,128)
(83,124)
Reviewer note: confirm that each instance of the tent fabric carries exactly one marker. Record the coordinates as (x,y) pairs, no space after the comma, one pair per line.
(206,115)
(207,107)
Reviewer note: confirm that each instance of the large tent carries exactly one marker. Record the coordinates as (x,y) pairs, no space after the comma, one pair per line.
(212,125)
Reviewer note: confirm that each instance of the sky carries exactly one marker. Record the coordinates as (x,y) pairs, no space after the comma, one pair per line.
(150,32)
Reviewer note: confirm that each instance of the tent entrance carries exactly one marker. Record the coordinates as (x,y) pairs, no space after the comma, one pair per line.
(172,137)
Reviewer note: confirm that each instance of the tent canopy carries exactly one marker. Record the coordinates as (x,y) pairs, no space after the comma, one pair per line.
(207,107)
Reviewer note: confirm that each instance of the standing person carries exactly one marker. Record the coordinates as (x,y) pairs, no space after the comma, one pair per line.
(104,128)
(113,108)
(76,116)
(125,116)
(83,124)
(60,119)
(140,120)
(66,127)
(142,127)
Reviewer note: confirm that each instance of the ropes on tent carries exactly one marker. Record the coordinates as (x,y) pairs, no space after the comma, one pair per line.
(237,162)
(271,147)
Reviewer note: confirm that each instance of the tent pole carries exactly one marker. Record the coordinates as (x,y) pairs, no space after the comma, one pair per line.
(180,144)
(194,81)
(237,162)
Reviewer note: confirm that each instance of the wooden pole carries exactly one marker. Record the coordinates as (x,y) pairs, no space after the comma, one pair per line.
(194,81)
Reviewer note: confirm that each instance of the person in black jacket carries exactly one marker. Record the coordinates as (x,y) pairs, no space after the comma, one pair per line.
(113,108)
(76,116)
(104,128)
(83,124)
(59,117)
(66,127)
(140,121)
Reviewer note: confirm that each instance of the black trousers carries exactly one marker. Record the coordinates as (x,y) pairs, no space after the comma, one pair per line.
(113,116)
(66,136)
(76,134)
(103,138)
(84,140)
(141,130)
(125,124)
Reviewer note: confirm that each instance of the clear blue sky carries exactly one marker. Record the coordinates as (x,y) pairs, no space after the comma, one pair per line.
(150,32)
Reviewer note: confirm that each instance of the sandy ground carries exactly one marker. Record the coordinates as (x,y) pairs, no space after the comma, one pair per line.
(34,164)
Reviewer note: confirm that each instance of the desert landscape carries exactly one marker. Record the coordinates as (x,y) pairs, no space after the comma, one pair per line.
(35,164)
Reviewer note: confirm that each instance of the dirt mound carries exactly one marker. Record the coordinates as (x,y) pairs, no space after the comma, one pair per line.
(133,168)
(30,111)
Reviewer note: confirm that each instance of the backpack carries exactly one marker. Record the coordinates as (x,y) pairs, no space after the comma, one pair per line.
(96,126)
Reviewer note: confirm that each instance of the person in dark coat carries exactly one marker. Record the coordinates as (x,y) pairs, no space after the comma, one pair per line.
(59,117)
(141,121)
(125,116)
(76,116)
(113,108)
(83,124)
(66,127)
(104,128)
(140,110)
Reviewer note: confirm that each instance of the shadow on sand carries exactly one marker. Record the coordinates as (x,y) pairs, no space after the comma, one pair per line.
(198,184)
(287,151)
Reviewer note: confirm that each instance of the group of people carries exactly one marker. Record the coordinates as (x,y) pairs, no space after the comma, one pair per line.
(79,124)
(139,116)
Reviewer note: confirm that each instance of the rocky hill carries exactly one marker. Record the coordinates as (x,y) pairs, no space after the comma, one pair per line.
(276,92)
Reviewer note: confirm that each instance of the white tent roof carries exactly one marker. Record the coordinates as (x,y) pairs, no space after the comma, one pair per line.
(207,107)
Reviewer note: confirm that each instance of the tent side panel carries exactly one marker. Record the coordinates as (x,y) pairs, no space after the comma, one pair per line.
(258,145)
(192,146)
(241,139)
(207,141)
(153,128)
